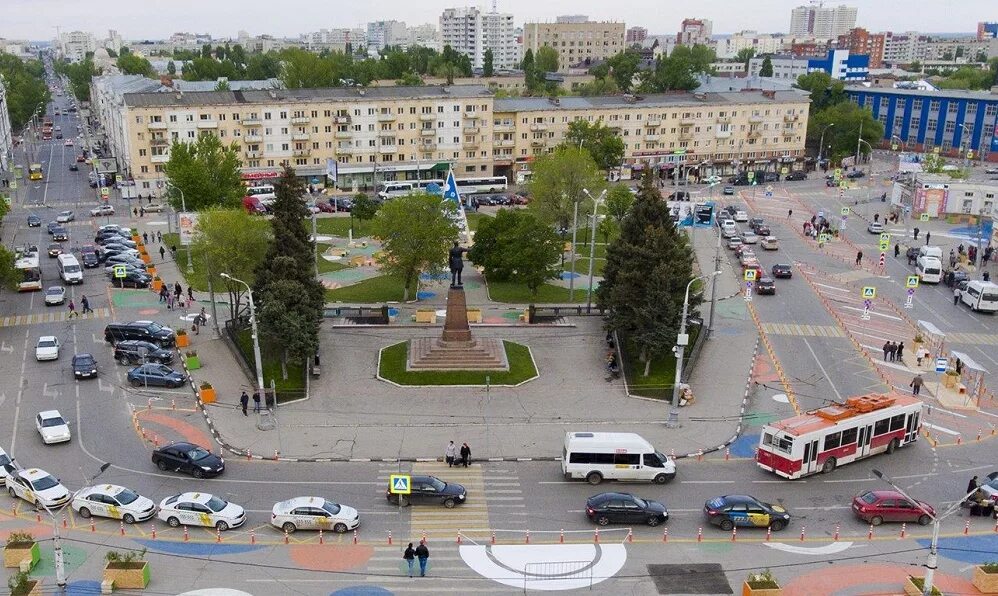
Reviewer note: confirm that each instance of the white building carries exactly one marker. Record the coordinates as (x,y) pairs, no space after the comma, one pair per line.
(821,22)
(386,33)
(425,35)
(75,45)
(727,48)
(6,134)
(336,39)
(905,48)
(471,32)
(694,31)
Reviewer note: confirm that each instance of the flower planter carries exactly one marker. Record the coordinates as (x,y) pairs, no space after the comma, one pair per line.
(207,395)
(183,340)
(145,258)
(913,589)
(193,362)
(16,552)
(151,270)
(949,381)
(34,588)
(132,575)
(157,285)
(986,583)
(748,590)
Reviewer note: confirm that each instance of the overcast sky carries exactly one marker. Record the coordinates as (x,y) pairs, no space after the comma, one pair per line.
(158,19)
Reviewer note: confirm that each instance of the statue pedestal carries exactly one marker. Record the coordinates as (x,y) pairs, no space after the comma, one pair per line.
(456,349)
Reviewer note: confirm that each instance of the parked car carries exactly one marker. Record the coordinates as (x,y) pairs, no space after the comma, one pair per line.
(430,490)
(115,502)
(729,190)
(156,375)
(140,330)
(188,458)
(877,506)
(625,508)
(37,487)
(153,208)
(133,352)
(313,513)
(855,174)
(201,509)
(796,175)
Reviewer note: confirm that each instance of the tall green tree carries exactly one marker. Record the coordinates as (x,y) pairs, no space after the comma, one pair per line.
(619,199)
(363,208)
(546,59)
(416,233)
(623,67)
(79,75)
(766,70)
(134,64)
(529,68)
(559,180)
(230,241)
(848,119)
(262,66)
(645,276)
(517,246)
(9,276)
(171,68)
(745,55)
(824,90)
(26,88)
(305,70)
(488,68)
(206,172)
(603,143)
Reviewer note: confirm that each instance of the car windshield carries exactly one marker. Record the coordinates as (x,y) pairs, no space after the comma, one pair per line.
(331,508)
(57,421)
(126,496)
(641,503)
(85,360)
(4,459)
(46,343)
(868,498)
(216,504)
(44,483)
(154,327)
(437,484)
(197,453)
(54,291)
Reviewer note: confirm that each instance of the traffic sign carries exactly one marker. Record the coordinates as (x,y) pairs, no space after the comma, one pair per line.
(869,292)
(843,185)
(894,147)
(822,238)
(884,245)
(844,211)
(750,275)
(400,484)
(13,184)
(911,281)
(769,188)
(105,192)
(751,175)
(935,150)
(885,237)
(923,217)
(970,154)
(784,170)
(941,365)
(838,172)
(119,271)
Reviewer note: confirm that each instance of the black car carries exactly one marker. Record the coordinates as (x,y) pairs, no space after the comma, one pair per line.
(89,259)
(34,221)
(742,510)
(133,279)
(134,352)
(766,285)
(798,175)
(84,366)
(763,230)
(188,458)
(954,277)
(140,330)
(782,271)
(430,490)
(51,226)
(679,195)
(108,240)
(856,174)
(624,508)
(73,167)
(59,234)
(55,250)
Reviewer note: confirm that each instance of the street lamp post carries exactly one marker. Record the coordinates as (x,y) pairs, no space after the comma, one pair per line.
(57,554)
(575,226)
(183,207)
(682,340)
(932,560)
(592,244)
(821,143)
(256,336)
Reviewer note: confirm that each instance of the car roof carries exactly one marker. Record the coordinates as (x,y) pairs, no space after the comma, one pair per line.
(182,445)
(104,489)
(50,414)
(611,495)
(47,337)
(295,502)
(33,473)
(195,497)
(732,499)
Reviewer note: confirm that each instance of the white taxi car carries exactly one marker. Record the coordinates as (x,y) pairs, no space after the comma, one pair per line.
(37,487)
(47,348)
(313,513)
(52,427)
(7,467)
(116,502)
(201,509)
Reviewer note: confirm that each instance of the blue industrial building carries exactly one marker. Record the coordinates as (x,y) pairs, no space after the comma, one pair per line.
(952,120)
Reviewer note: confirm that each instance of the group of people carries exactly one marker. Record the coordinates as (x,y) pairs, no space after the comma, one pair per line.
(244,402)
(893,352)
(978,501)
(420,552)
(457,457)
(84,303)
(816,226)
(176,297)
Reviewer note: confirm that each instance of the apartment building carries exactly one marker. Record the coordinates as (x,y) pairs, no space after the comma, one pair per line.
(636,35)
(861,41)
(74,45)
(383,133)
(821,22)
(905,48)
(471,32)
(576,42)
(710,133)
(6,134)
(386,33)
(694,31)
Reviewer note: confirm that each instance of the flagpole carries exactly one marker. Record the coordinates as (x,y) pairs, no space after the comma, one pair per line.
(451,193)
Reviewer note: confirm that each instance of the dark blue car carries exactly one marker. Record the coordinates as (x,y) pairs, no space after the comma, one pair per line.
(742,510)
(156,375)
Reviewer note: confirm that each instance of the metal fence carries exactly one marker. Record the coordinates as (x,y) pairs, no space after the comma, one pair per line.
(535,574)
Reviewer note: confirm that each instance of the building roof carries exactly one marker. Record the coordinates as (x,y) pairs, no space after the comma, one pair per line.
(660,100)
(189,86)
(942,93)
(286,96)
(715,84)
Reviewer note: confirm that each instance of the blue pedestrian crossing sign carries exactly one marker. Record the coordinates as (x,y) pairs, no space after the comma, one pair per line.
(911,281)
(869,292)
(941,365)
(400,484)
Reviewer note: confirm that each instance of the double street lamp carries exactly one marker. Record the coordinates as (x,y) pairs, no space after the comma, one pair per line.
(256,336)
(183,207)
(682,340)
(592,244)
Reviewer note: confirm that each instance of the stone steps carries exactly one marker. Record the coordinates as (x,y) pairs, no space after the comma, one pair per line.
(433,354)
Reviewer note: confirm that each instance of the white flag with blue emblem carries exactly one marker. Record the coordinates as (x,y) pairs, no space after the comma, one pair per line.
(451,193)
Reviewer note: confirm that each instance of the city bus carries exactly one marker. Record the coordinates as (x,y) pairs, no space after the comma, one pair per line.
(30,277)
(837,434)
(35,172)
(467,186)
(401,188)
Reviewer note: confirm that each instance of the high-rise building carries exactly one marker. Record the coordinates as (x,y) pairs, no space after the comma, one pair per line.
(336,39)
(861,41)
(425,35)
(636,35)
(987,31)
(75,45)
(905,48)
(6,135)
(821,22)
(576,43)
(471,32)
(386,33)
(693,32)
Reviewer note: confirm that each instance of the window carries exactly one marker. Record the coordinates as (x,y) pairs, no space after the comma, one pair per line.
(897,422)
(832,441)
(882,426)
(849,436)
(590,458)
(627,459)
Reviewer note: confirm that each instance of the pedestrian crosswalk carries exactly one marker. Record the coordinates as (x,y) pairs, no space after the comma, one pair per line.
(470,518)
(802,330)
(50,317)
(973,338)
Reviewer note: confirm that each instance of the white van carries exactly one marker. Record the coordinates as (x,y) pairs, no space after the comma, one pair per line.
(929,270)
(599,456)
(981,296)
(263,193)
(69,269)
(931,251)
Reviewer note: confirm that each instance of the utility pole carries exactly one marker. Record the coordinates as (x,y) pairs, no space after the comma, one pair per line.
(575,225)
(713,285)
(858,139)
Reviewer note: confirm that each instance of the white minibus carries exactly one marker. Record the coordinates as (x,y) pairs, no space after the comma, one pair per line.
(929,270)
(599,456)
(69,269)
(981,296)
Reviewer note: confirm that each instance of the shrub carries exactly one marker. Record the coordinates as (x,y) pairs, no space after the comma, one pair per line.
(20,538)
(762,580)
(131,556)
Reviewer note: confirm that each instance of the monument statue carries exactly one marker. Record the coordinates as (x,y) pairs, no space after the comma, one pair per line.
(456,263)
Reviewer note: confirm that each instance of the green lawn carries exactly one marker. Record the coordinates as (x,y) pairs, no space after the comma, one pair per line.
(660,380)
(198,279)
(521,368)
(474,218)
(291,388)
(340,226)
(374,290)
(327,266)
(514,293)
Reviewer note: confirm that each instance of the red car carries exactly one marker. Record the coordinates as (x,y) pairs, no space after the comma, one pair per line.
(877,506)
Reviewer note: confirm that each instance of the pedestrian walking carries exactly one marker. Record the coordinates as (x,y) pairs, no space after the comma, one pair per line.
(952,258)
(897,250)
(135,212)
(972,485)
(927,236)
(900,351)
(145,237)
(465,454)
(159,237)
(72,310)
(169,301)
(887,349)
(162,253)
(920,355)
(85,304)
(450,454)
(986,276)
(423,554)
(163,293)
(892,351)
(956,295)
(142,211)
(190,294)
(790,212)
(410,558)
(149,199)
(244,402)
(959,366)
(916,384)
(876,217)
(859,258)
(256,401)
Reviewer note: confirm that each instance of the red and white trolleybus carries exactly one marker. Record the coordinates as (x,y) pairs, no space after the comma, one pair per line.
(823,439)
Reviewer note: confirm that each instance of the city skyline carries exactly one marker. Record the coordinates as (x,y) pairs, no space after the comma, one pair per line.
(37,19)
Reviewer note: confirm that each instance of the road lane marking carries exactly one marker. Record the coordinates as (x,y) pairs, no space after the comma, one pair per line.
(941,429)
(872,312)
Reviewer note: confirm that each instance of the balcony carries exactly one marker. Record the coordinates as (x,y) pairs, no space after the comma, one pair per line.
(254,154)
(723,120)
(386,117)
(427,132)
(343,134)
(159,142)
(754,133)
(537,127)
(504,127)
(157,126)
(301,120)
(687,122)
(537,142)
(470,145)
(300,136)
(652,137)
(341,119)
(251,122)
(723,134)
(426,147)
(653,122)
(791,117)
(472,115)
(427,117)
(385,149)
(160,158)
(346,150)
(252,138)
(506,143)
(301,152)
(755,119)
(206,124)
(471,130)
